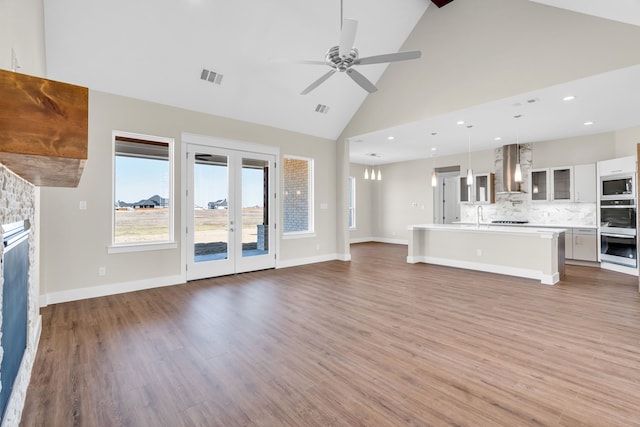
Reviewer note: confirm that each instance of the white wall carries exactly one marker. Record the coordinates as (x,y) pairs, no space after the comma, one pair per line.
(22,28)
(74,242)
(364,203)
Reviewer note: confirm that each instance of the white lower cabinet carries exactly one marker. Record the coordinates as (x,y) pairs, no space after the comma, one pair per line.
(568,243)
(585,244)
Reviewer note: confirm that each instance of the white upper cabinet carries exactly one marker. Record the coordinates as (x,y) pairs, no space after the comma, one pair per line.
(585,183)
(552,184)
(617,166)
(564,184)
(480,191)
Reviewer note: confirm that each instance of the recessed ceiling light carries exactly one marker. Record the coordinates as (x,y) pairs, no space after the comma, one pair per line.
(460,122)
(433,148)
(497,138)
(588,123)
(390,137)
(434,133)
(569,98)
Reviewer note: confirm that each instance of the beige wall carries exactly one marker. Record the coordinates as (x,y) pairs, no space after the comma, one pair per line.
(22,28)
(74,242)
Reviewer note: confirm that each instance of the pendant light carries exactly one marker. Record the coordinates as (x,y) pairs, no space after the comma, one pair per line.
(469,170)
(434,177)
(366,172)
(379,174)
(517,176)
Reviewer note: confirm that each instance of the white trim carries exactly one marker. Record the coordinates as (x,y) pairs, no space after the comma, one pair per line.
(545,279)
(298,235)
(172,186)
(362,240)
(619,268)
(141,247)
(112,289)
(229,144)
(379,240)
(303,261)
(343,257)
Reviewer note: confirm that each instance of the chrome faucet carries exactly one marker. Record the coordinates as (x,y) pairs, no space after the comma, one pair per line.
(479,215)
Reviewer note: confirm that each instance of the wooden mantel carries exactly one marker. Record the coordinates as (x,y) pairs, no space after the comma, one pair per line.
(43,129)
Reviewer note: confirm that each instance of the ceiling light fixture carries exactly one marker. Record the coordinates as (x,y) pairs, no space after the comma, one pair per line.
(460,122)
(390,138)
(497,138)
(588,123)
(569,98)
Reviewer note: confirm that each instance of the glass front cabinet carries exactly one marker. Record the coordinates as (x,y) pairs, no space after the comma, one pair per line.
(481,191)
(552,184)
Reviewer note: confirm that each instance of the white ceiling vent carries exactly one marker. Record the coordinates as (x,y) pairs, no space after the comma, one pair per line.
(323,109)
(211,76)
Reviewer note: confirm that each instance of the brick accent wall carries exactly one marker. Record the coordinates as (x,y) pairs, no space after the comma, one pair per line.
(296,195)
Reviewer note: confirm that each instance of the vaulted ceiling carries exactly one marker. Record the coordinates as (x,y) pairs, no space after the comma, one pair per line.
(157,51)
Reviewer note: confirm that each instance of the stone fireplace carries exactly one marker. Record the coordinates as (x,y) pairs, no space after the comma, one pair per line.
(18,203)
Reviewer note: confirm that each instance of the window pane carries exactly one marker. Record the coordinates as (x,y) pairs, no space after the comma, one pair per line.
(141,195)
(297,195)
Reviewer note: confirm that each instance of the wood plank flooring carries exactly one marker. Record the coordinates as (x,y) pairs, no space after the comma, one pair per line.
(371,342)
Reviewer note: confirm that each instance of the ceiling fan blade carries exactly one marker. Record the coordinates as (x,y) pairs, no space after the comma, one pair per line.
(389,57)
(361,80)
(347,36)
(295,61)
(318,82)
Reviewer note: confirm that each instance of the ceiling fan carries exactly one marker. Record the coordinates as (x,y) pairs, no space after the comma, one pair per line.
(344,56)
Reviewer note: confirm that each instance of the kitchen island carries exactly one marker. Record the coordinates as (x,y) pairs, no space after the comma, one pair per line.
(535,253)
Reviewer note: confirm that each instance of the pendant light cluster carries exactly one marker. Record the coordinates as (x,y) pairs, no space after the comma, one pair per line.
(373,176)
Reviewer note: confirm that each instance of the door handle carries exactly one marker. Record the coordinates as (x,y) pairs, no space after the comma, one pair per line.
(231,229)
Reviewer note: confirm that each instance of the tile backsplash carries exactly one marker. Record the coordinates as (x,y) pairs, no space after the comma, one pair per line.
(506,208)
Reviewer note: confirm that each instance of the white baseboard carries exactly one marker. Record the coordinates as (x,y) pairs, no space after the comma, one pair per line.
(344,257)
(619,268)
(101,291)
(380,240)
(489,268)
(311,260)
(362,240)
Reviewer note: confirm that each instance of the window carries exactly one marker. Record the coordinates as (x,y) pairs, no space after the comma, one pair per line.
(352,203)
(142,189)
(298,195)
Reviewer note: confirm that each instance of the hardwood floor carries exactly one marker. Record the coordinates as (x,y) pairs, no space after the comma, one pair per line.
(371,342)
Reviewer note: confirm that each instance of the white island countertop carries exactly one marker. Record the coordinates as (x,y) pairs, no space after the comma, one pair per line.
(488,228)
(532,252)
(531,224)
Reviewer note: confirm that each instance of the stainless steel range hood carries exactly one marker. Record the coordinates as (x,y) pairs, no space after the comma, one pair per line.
(509,161)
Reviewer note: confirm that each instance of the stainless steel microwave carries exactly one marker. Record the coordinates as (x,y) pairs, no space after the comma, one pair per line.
(615,187)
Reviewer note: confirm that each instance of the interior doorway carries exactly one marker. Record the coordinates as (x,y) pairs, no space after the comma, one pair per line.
(446,196)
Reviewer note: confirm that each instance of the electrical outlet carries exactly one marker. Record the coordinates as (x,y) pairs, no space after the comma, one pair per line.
(479,252)
(102,271)
(83,205)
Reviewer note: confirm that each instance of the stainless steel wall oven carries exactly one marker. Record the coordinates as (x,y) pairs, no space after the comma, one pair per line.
(618,233)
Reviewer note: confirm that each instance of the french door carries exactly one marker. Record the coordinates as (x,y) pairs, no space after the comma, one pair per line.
(230,205)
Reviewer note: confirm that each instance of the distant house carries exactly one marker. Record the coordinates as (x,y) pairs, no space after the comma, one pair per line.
(219,204)
(152,202)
